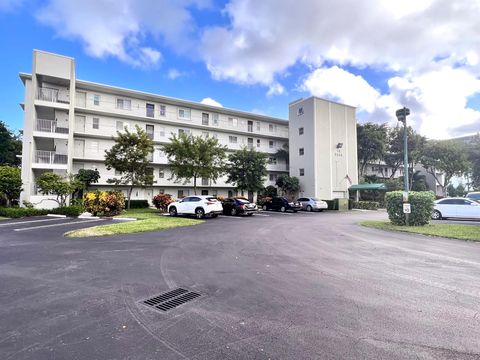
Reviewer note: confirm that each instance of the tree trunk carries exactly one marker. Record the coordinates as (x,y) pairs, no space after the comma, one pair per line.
(129,196)
(194,185)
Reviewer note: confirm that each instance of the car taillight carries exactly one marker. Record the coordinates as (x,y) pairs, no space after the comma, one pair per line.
(209,203)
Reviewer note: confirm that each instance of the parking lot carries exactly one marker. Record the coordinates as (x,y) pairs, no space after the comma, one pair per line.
(271,286)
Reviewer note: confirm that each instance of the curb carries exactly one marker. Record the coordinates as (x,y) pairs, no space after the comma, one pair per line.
(57,215)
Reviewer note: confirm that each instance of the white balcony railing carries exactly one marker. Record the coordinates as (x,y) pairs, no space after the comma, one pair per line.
(50,126)
(50,157)
(53,95)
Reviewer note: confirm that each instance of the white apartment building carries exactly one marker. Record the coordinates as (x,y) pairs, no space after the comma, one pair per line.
(69,123)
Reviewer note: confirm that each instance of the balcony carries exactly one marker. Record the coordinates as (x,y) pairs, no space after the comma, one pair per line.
(53,95)
(50,159)
(50,126)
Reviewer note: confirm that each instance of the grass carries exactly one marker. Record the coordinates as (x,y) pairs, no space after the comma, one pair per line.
(3,218)
(453,231)
(147,220)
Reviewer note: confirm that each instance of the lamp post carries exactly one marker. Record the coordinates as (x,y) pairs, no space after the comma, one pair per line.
(402,117)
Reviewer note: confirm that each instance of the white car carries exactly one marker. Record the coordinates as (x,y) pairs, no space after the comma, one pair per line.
(198,205)
(312,204)
(456,208)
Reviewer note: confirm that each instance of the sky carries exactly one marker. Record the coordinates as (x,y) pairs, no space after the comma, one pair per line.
(377,55)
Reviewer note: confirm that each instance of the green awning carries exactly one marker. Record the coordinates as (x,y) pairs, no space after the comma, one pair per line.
(368,187)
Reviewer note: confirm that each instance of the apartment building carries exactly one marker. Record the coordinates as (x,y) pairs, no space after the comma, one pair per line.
(69,123)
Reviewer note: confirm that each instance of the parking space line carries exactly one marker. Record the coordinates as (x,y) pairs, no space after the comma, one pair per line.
(52,225)
(30,221)
(261,215)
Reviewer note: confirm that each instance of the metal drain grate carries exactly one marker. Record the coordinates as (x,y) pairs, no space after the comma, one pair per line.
(171,299)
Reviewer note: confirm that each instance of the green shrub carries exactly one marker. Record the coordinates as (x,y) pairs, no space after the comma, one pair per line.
(73,210)
(366,205)
(139,204)
(16,212)
(106,203)
(421,203)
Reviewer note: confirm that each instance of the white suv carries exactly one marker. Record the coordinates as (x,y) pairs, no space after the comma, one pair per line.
(198,205)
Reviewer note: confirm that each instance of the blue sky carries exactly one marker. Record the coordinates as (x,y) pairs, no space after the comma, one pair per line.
(260,56)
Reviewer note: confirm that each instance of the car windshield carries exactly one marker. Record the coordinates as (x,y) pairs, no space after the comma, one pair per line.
(316,199)
(474,196)
(211,199)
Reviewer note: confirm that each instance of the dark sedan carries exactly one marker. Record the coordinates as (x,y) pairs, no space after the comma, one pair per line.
(238,206)
(282,204)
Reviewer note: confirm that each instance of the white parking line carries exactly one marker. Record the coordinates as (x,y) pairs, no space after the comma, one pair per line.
(45,226)
(261,215)
(29,221)
(282,213)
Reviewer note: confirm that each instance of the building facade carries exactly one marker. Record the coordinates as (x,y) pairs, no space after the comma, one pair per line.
(69,123)
(323,147)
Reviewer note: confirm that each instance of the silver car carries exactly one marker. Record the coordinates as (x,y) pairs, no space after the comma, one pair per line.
(473,196)
(312,204)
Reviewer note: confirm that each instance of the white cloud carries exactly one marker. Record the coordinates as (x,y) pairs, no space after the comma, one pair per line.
(119,28)
(275,89)
(211,102)
(174,74)
(9,5)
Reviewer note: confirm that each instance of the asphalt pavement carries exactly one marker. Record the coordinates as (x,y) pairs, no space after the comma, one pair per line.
(272,286)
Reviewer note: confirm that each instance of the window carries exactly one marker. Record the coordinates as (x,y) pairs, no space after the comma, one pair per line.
(149,171)
(232,139)
(161,191)
(214,192)
(184,114)
(94,146)
(301,151)
(272,160)
(204,192)
(250,143)
(273,177)
(163,110)
(259,143)
(205,119)
(118,173)
(272,128)
(150,110)
(95,123)
(300,111)
(124,104)
(232,121)
(215,119)
(302,172)
(162,131)
(184,131)
(161,174)
(250,126)
(258,126)
(150,131)
(205,182)
(96,99)
(230,193)
(180,194)
(300,131)
(271,144)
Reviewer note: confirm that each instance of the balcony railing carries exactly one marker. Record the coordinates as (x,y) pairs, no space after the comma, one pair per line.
(53,95)
(50,126)
(50,157)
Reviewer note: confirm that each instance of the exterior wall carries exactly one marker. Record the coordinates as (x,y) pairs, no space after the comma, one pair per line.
(60,136)
(330,147)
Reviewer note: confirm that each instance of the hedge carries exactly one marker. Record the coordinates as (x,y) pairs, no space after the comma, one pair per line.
(17,212)
(139,204)
(366,205)
(104,203)
(421,203)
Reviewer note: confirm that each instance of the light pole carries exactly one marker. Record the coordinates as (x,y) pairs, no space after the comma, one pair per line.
(402,117)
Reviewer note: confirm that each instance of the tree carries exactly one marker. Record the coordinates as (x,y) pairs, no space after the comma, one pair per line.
(371,143)
(247,169)
(458,191)
(419,181)
(87,177)
(270,191)
(283,153)
(10,146)
(129,156)
(10,183)
(50,183)
(193,157)
(447,157)
(473,154)
(288,184)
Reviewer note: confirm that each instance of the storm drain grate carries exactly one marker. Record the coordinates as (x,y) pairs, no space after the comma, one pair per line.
(171,299)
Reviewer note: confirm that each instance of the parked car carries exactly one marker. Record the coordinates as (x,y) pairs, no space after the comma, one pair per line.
(282,204)
(473,196)
(198,205)
(312,204)
(238,206)
(456,208)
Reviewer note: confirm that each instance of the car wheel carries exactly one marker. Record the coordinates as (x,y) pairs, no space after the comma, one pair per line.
(173,211)
(199,213)
(233,212)
(264,207)
(250,214)
(436,215)
(309,208)
(283,209)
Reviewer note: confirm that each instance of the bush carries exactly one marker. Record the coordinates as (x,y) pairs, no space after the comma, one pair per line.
(139,204)
(161,201)
(366,205)
(106,203)
(17,212)
(73,210)
(421,203)
(263,200)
